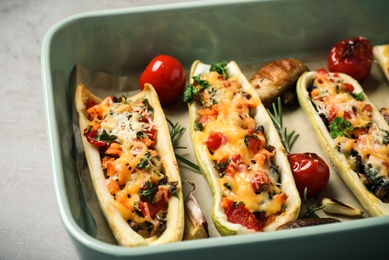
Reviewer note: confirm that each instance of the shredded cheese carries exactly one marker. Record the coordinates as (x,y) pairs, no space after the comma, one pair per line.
(129,159)
(365,145)
(245,177)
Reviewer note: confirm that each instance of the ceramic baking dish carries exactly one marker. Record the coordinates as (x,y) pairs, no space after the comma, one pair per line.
(121,42)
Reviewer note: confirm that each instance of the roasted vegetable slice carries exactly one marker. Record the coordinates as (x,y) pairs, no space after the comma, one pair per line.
(132,165)
(381,55)
(340,208)
(239,152)
(353,133)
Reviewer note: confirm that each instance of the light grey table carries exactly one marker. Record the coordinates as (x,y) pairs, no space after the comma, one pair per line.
(30,225)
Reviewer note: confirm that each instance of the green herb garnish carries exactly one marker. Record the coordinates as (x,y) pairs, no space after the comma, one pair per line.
(358,96)
(193,91)
(310,213)
(148,190)
(287,139)
(105,137)
(173,188)
(177,131)
(143,163)
(340,127)
(149,108)
(220,67)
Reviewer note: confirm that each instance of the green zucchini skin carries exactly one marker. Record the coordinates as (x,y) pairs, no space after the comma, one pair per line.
(291,207)
(373,205)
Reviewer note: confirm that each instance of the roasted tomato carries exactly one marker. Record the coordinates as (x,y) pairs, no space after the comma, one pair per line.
(352,56)
(309,171)
(167,75)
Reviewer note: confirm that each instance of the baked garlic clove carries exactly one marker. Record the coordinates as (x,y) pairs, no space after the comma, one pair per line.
(339,207)
(196,225)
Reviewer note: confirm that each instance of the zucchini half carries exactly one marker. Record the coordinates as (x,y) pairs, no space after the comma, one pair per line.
(373,205)
(121,229)
(291,208)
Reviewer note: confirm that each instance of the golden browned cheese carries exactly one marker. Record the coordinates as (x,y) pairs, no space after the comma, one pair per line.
(119,181)
(278,78)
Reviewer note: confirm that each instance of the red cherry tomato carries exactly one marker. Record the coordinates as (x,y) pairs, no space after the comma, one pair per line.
(352,56)
(309,171)
(167,75)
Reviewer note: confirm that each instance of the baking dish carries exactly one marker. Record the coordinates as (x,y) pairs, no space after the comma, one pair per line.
(121,42)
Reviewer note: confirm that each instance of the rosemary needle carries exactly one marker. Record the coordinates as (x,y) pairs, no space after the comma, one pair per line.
(287,139)
(176,133)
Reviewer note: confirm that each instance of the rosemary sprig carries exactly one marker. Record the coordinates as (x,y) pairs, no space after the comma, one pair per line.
(176,133)
(287,139)
(310,213)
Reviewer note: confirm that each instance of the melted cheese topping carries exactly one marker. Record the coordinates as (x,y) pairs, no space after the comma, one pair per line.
(364,144)
(243,161)
(134,173)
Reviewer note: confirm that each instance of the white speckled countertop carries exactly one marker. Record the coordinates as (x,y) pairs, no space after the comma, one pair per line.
(30,225)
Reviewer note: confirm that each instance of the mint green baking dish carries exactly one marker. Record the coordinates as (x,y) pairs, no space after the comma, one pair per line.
(120,41)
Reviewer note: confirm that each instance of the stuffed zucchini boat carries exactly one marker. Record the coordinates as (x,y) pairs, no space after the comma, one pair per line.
(132,166)
(353,133)
(239,152)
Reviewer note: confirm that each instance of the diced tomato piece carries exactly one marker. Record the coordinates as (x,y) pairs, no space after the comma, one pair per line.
(151,210)
(347,87)
(91,104)
(239,214)
(90,134)
(254,143)
(215,140)
(152,133)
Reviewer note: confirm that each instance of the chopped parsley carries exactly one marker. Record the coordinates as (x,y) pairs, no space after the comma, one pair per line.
(198,126)
(105,137)
(358,96)
(173,188)
(220,67)
(149,108)
(340,127)
(147,192)
(193,91)
(144,162)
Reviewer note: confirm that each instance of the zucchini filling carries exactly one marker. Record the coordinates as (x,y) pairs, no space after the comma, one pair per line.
(350,122)
(124,132)
(236,144)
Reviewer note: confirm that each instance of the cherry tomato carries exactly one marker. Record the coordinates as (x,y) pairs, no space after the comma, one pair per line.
(167,75)
(309,171)
(352,56)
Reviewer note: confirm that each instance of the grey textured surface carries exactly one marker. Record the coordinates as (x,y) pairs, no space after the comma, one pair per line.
(30,225)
